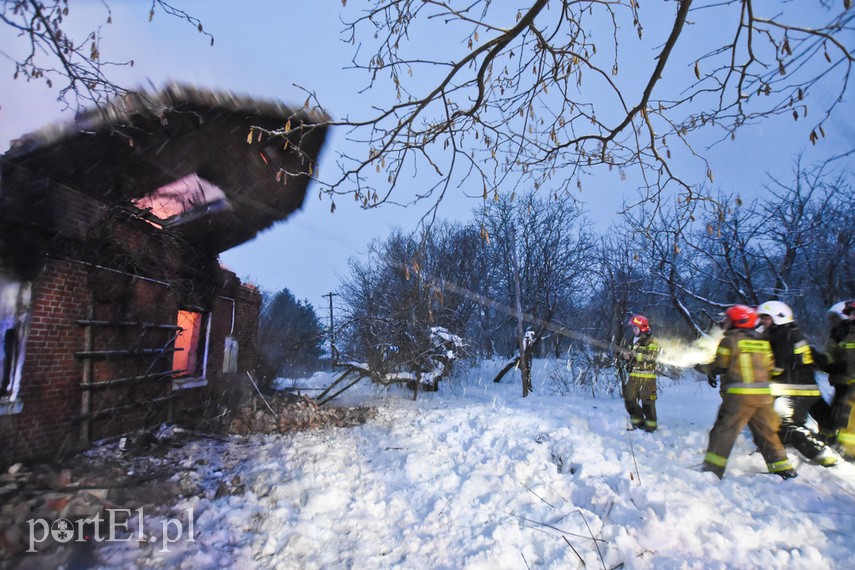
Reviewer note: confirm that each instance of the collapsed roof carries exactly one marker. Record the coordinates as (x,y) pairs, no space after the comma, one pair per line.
(196,161)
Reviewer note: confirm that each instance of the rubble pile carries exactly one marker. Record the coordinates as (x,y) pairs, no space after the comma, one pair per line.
(282,414)
(149,471)
(111,480)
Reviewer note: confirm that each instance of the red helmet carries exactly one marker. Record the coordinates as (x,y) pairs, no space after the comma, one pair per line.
(742,317)
(640,322)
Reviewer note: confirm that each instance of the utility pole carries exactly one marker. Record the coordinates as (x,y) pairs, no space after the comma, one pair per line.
(333,350)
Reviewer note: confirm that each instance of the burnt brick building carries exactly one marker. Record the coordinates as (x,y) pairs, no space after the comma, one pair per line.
(114,311)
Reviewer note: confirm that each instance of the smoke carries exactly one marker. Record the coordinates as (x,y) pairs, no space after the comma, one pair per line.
(678,353)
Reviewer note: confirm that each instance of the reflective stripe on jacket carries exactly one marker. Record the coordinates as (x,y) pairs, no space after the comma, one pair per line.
(794,373)
(746,361)
(841,359)
(642,363)
(782,389)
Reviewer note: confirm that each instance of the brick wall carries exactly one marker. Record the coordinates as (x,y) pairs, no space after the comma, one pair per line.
(51,375)
(68,289)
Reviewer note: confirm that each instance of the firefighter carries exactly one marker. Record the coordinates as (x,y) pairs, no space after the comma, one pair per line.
(745,364)
(793,382)
(839,361)
(639,394)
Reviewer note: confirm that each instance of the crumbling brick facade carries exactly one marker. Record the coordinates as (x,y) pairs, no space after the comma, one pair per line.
(114,312)
(128,301)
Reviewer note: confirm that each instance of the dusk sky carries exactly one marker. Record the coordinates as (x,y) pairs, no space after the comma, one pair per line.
(263,48)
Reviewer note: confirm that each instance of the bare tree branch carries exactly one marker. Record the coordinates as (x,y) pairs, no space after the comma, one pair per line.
(75,67)
(536,98)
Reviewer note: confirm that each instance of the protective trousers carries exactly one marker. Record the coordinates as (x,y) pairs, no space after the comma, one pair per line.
(845,414)
(735,412)
(793,411)
(823,413)
(639,397)
(837,419)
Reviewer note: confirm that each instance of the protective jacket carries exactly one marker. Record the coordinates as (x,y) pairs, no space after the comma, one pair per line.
(645,351)
(745,362)
(839,357)
(793,374)
(796,391)
(839,362)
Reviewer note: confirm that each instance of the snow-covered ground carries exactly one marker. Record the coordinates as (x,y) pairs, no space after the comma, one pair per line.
(477,477)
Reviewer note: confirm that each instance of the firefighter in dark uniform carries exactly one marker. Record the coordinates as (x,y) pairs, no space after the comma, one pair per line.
(839,361)
(793,383)
(639,394)
(745,364)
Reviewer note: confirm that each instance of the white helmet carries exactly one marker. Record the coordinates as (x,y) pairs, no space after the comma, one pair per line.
(781,313)
(843,310)
(836,310)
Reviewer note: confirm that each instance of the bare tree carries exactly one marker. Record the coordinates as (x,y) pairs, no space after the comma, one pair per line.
(396,302)
(830,261)
(794,243)
(450,253)
(793,220)
(662,232)
(730,244)
(619,280)
(552,244)
(540,95)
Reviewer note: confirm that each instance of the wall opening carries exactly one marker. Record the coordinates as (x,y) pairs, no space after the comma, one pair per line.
(186,199)
(191,347)
(14,318)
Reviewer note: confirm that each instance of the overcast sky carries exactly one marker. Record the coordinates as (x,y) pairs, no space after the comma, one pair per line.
(262,49)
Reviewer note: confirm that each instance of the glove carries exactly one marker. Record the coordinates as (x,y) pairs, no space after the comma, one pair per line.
(712,380)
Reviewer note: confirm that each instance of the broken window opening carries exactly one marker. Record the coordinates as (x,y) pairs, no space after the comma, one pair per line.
(14,319)
(178,202)
(190,359)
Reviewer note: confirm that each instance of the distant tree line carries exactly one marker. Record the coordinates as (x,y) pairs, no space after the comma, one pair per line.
(537,263)
(681,265)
